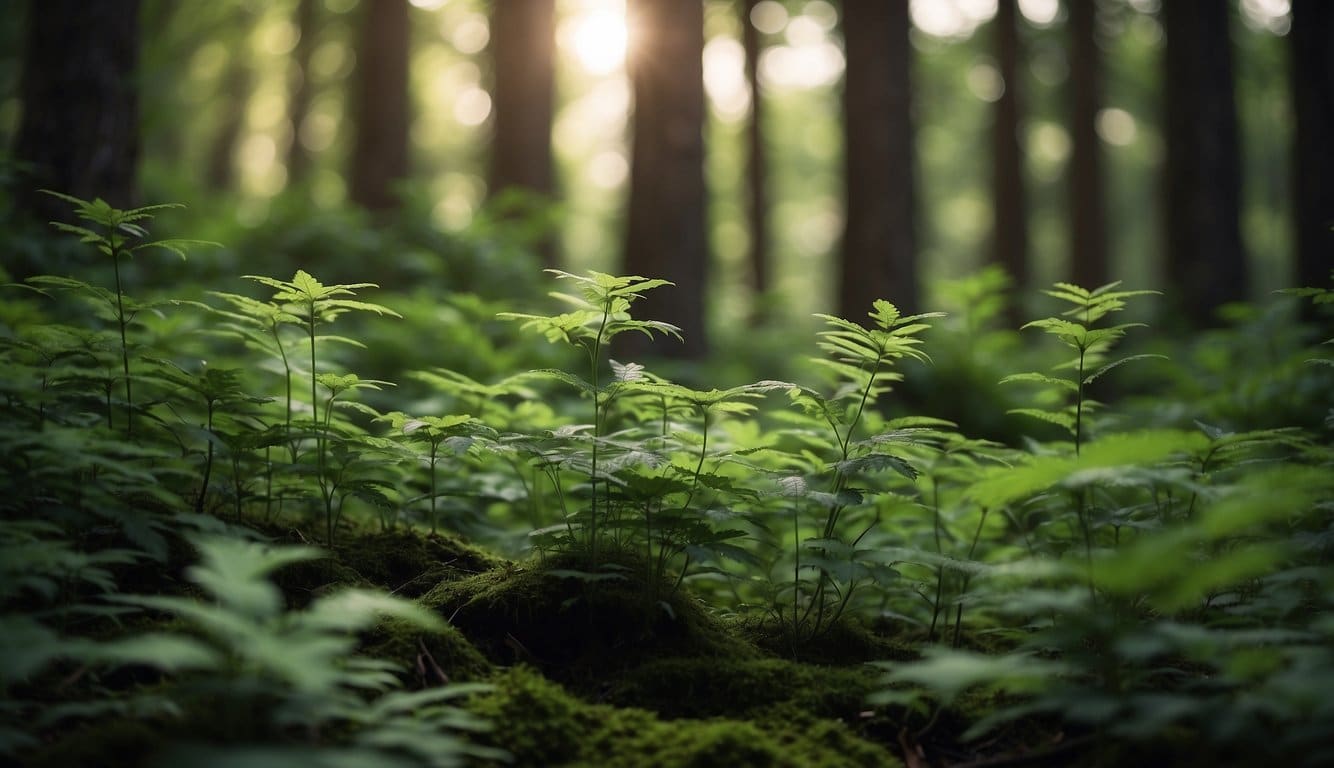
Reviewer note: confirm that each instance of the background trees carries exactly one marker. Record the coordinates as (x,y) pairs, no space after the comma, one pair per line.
(823,161)
(523,59)
(79,132)
(1009,227)
(1206,266)
(380,106)
(1313,107)
(879,258)
(665,231)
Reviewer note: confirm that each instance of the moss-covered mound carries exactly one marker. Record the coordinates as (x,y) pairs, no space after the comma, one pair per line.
(691,687)
(541,724)
(571,625)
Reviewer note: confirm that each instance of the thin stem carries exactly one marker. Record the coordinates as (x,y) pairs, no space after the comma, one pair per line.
(594,355)
(208,464)
(699,466)
(120,321)
(1079,401)
(287,380)
(435,445)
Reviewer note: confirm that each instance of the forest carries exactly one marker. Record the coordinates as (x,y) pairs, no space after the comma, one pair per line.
(689,383)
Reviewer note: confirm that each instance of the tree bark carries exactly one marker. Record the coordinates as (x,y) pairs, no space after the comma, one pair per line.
(523,57)
(1009,243)
(1088,237)
(1206,265)
(879,245)
(1312,47)
(666,235)
(380,106)
(757,212)
(301,89)
(79,129)
(236,87)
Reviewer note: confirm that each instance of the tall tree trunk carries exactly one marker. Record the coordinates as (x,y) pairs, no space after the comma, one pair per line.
(1009,232)
(1312,41)
(879,247)
(380,106)
(523,56)
(236,86)
(757,214)
(1088,237)
(1206,265)
(666,233)
(79,129)
(301,89)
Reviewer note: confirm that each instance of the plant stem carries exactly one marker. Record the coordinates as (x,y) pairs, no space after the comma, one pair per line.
(114,242)
(208,464)
(435,445)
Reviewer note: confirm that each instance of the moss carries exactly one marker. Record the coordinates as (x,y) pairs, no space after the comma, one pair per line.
(543,725)
(704,688)
(848,641)
(426,656)
(410,564)
(574,627)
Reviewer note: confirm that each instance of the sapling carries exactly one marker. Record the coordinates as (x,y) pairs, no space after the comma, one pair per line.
(600,312)
(114,232)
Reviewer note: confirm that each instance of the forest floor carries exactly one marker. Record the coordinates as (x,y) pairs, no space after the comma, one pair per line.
(588,672)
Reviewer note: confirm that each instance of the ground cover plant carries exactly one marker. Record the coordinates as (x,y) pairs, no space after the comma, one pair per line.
(225,541)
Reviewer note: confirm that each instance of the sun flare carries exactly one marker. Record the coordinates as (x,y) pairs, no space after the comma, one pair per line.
(598,37)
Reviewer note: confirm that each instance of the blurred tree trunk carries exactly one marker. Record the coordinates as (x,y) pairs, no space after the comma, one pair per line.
(523,44)
(1088,240)
(1009,233)
(757,214)
(236,86)
(301,89)
(1312,41)
(380,106)
(879,247)
(666,234)
(1206,265)
(79,129)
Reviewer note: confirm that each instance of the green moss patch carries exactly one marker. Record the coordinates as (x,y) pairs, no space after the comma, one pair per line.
(568,624)
(683,687)
(541,724)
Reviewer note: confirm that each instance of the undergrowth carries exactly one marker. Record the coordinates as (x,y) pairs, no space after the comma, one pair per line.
(1134,574)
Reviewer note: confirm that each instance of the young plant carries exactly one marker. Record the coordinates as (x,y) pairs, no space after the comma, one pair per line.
(310,304)
(436,434)
(600,312)
(861,359)
(1091,347)
(118,235)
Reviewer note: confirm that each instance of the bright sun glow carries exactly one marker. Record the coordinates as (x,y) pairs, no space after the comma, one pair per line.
(597,36)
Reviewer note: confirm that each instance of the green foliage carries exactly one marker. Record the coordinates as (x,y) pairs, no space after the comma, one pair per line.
(1159,572)
(1091,347)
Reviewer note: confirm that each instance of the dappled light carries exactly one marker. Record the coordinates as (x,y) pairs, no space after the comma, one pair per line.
(596,35)
(745,383)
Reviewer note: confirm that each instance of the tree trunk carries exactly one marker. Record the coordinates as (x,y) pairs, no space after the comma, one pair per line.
(1009,233)
(1088,235)
(380,111)
(301,89)
(757,214)
(879,247)
(666,231)
(1312,41)
(79,130)
(1206,265)
(236,87)
(523,57)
